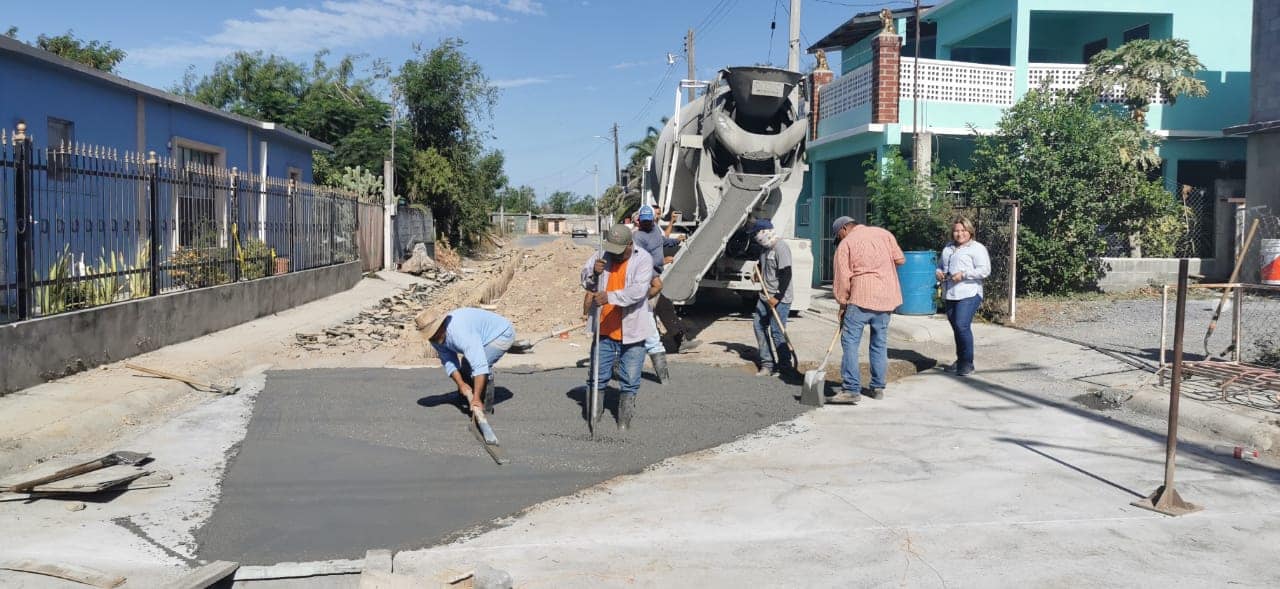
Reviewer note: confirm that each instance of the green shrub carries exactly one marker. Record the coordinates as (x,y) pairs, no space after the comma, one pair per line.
(198,268)
(907,208)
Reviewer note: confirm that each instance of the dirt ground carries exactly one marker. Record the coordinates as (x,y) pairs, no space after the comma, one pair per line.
(545,293)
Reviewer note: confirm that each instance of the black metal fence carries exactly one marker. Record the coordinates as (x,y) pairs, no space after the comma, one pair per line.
(84,226)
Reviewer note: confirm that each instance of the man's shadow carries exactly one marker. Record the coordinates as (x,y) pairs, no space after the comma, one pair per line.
(608,396)
(501,394)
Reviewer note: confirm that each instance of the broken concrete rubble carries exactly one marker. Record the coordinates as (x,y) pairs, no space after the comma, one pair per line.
(419,261)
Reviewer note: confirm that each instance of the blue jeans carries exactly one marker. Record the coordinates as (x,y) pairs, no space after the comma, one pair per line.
(855,319)
(761,322)
(960,315)
(628,357)
(493,351)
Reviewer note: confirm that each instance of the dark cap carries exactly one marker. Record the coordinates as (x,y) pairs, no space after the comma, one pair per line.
(617,238)
(760,225)
(840,224)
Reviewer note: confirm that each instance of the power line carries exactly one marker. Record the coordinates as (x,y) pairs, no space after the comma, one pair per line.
(773,26)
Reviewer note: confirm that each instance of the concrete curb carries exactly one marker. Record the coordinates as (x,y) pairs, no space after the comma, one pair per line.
(1260,434)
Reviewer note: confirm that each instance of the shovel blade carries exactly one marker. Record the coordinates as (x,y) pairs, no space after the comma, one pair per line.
(812,392)
(127,457)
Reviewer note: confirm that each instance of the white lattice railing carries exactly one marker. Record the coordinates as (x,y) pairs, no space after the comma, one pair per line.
(1069,76)
(845,93)
(954,81)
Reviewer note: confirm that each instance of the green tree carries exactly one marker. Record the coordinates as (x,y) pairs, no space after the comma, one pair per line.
(329,103)
(644,147)
(449,99)
(582,205)
(99,55)
(908,208)
(520,199)
(1061,156)
(1144,68)
(558,202)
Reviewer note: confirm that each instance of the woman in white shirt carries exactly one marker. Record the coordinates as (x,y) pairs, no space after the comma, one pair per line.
(963,266)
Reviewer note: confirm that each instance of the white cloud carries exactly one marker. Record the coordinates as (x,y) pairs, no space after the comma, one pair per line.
(518,82)
(524,6)
(529,81)
(630,64)
(330,23)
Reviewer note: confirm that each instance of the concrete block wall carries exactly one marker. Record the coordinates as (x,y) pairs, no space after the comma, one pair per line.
(1126,274)
(45,349)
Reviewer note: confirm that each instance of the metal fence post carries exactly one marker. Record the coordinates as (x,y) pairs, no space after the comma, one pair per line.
(1013,263)
(233,225)
(23,220)
(333,221)
(153,181)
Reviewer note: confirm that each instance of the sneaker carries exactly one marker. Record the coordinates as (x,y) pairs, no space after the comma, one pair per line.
(685,345)
(964,371)
(844,398)
(876,393)
(765,371)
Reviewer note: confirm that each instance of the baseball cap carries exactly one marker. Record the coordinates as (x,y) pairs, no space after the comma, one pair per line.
(839,224)
(617,238)
(760,225)
(645,214)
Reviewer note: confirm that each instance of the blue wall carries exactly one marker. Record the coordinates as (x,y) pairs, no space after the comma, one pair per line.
(106,115)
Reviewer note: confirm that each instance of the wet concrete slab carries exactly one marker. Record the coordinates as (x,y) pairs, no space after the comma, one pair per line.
(336,462)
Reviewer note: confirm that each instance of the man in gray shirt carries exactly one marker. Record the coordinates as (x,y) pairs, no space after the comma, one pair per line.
(779,292)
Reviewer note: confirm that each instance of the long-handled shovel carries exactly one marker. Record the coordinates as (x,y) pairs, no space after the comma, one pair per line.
(813,392)
(593,404)
(112,459)
(522,346)
(1235,273)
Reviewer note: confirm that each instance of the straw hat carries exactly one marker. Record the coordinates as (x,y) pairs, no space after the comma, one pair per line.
(429,322)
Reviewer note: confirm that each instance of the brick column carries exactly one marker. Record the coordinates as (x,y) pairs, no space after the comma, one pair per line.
(817,79)
(885,55)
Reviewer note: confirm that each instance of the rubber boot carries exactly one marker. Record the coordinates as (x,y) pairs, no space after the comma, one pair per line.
(488,395)
(626,408)
(660,367)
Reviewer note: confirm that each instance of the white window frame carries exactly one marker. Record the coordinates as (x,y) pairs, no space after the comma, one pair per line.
(220,196)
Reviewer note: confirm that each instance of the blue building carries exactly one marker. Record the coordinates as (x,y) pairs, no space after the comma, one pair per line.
(64,101)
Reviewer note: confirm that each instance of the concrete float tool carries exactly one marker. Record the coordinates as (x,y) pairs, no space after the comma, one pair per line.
(522,346)
(112,459)
(814,393)
(484,432)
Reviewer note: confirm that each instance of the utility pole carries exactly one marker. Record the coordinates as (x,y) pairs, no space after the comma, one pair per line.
(688,58)
(617,169)
(595,170)
(915,86)
(793,38)
(389,184)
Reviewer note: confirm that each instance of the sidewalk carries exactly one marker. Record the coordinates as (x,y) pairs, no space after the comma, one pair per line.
(82,411)
(1002,479)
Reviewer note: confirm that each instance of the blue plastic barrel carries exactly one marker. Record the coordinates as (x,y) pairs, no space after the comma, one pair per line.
(918,283)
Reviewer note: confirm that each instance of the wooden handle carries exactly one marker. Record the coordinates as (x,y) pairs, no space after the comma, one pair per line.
(65,473)
(167,375)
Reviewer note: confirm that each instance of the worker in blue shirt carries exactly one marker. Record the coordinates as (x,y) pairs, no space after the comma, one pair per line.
(469,342)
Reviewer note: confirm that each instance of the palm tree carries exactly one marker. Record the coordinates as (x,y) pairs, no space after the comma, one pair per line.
(644,147)
(1144,68)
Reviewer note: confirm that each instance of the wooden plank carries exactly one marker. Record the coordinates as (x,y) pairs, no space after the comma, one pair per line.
(94,482)
(204,576)
(299,570)
(70,572)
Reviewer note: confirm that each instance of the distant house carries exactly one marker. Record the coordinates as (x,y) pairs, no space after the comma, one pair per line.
(978,57)
(64,102)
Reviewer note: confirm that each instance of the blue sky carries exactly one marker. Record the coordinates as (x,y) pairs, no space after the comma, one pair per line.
(568,69)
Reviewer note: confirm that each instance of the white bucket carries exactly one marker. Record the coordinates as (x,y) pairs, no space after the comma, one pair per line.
(1271,261)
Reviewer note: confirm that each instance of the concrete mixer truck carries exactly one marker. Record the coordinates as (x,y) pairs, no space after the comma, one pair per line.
(731,156)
